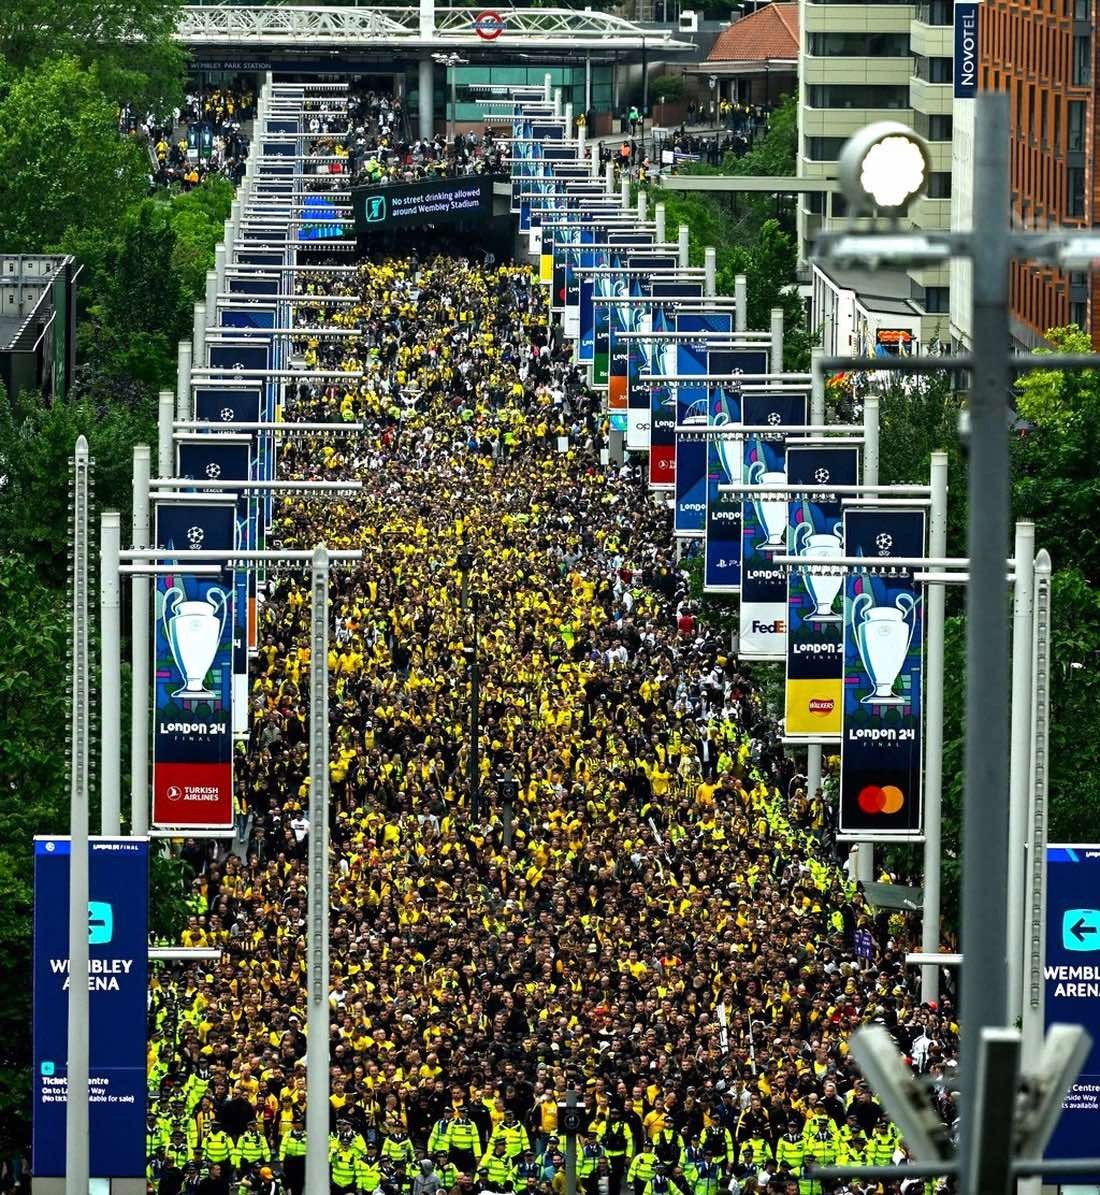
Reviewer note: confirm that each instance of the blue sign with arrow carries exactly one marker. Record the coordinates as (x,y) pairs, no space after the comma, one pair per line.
(1072,990)
(1081,929)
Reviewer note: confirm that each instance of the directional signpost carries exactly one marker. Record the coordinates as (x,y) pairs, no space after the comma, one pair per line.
(1071,975)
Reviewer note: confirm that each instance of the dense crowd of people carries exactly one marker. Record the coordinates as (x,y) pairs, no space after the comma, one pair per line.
(204,137)
(652,922)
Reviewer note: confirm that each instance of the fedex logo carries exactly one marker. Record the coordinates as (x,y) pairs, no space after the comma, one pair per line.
(779,627)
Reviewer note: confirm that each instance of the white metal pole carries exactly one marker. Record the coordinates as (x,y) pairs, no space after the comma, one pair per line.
(624,192)
(1035,938)
(1019,759)
(557,103)
(139,649)
(580,142)
(710,271)
(198,333)
(166,413)
(211,298)
(547,85)
(183,380)
(740,303)
(609,178)
(934,599)
(683,244)
(110,674)
(1034,1011)
(777,350)
(642,206)
(594,158)
(659,220)
(76,1104)
(569,120)
(219,267)
(317,968)
(817,417)
(865,851)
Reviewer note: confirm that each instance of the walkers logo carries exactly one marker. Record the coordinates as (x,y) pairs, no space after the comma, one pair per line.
(821,707)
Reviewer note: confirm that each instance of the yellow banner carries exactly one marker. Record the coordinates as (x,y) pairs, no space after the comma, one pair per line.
(814,706)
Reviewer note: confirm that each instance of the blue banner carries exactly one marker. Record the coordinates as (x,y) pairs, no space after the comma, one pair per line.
(693,405)
(764,526)
(193,671)
(118,963)
(229,459)
(239,354)
(1071,975)
(880,768)
(722,514)
(966,49)
(653,408)
(815,609)
(248,316)
(236,284)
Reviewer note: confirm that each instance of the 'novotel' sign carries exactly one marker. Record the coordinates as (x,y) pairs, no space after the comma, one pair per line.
(966,49)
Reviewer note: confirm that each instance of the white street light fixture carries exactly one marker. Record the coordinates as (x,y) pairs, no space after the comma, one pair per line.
(885,165)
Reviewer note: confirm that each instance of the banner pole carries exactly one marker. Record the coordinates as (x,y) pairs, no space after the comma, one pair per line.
(777,349)
(1019,766)
(139,651)
(110,673)
(864,868)
(933,746)
(814,752)
(741,303)
(317,1022)
(76,1104)
(166,414)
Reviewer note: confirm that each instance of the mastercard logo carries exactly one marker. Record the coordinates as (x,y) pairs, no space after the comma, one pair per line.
(888,799)
(822,706)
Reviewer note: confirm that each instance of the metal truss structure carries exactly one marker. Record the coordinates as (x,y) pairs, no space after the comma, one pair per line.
(368,28)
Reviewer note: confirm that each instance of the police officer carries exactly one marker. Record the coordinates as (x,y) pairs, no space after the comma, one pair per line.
(251,1148)
(292,1157)
(642,1169)
(618,1144)
(500,1174)
(440,1136)
(447,1171)
(464,1143)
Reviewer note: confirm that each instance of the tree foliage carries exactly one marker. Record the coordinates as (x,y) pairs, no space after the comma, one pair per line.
(129,43)
(34,629)
(66,176)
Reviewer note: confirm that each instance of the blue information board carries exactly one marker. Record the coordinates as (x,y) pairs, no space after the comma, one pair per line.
(118,921)
(1071,974)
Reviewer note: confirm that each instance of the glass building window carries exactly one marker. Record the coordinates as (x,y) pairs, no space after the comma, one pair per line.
(1075,126)
(824,149)
(933,70)
(859,45)
(1075,191)
(839,95)
(937,299)
(939,184)
(938,12)
(1082,60)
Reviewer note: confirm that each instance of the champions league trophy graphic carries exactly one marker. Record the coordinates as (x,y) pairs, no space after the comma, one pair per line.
(823,587)
(883,635)
(729,449)
(194,631)
(771,512)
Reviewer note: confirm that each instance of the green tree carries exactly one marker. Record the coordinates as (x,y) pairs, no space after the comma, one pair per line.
(36,444)
(34,629)
(130,45)
(66,176)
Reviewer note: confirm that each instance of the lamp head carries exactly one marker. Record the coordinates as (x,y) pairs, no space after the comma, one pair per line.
(885,166)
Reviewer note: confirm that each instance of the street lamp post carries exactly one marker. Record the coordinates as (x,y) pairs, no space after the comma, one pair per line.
(451,61)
